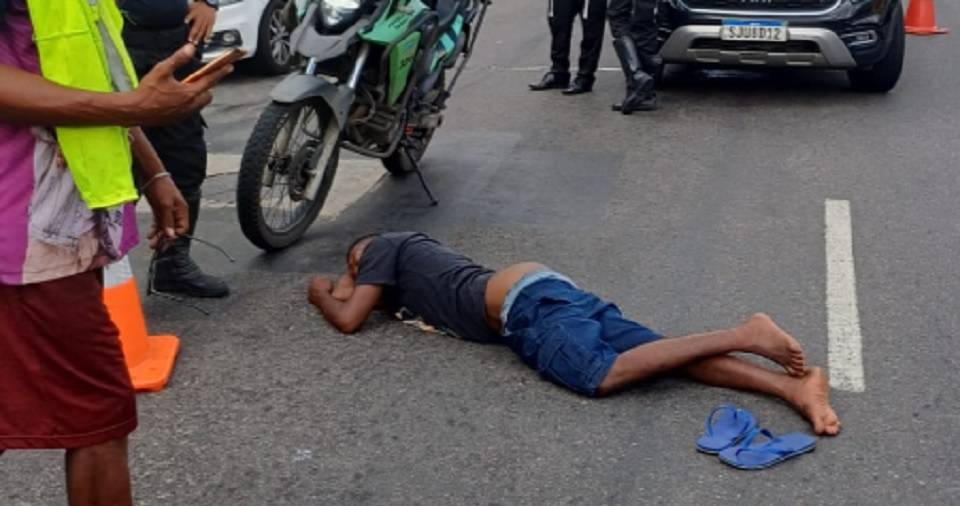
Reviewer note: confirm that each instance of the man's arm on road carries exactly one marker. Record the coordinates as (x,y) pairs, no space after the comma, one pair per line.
(345,287)
(346,315)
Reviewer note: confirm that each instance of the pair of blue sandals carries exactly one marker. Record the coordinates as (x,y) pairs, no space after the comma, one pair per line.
(731,433)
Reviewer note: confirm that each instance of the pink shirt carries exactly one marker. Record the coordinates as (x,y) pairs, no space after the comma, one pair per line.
(46,231)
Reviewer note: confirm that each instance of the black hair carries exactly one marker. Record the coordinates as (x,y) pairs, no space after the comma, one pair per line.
(356,242)
(4,4)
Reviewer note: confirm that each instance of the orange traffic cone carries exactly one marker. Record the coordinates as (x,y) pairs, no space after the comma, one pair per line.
(149,358)
(922,19)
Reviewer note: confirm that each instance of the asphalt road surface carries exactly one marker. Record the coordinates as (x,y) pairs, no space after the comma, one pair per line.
(690,218)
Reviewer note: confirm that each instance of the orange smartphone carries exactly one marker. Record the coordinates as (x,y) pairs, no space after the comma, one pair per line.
(216,64)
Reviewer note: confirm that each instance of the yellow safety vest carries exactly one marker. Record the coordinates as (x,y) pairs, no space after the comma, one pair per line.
(73,54)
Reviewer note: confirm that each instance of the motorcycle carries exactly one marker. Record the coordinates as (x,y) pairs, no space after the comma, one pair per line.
(375,82)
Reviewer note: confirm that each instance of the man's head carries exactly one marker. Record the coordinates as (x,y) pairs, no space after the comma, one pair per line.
(355,253)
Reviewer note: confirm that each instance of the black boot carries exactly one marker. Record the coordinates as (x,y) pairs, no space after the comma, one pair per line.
(653,65)
(582,84)
(176,271)
(640,95)
(553,80)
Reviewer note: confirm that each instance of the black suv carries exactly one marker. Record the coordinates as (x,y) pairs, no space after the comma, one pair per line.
(863,37)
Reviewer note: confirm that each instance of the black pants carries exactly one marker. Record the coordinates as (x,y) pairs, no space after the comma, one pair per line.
(561,15)
(635,19)
(181,146)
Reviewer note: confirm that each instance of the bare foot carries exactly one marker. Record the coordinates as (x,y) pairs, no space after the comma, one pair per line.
(768,340)
(811,398)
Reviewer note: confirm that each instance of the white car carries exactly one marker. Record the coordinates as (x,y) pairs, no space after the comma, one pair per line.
(260,27)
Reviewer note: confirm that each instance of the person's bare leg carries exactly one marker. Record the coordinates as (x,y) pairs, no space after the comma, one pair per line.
(809,394)
(757,335)
(98,475)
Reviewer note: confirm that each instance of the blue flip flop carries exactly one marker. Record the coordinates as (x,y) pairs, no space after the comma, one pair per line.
(777,449)
(724,427)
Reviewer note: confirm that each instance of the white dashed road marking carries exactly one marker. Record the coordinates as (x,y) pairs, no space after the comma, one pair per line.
(219,164)
(843,318)
(545,68)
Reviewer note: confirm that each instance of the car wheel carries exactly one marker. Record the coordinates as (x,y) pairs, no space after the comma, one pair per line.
(883,76)
(274,53)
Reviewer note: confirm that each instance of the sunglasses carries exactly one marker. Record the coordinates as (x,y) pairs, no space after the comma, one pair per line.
(152,273)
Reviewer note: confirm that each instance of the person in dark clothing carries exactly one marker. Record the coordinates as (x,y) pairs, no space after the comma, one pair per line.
(155,29)
(634,27)
(570,336)
(561,15)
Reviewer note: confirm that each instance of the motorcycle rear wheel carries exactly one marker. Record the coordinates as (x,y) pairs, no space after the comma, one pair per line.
(271,206)
(399,163)
(414,146)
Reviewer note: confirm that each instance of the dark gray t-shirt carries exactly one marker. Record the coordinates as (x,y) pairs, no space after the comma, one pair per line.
(431,281)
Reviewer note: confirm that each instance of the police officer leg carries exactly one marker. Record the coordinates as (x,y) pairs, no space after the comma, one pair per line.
(640,94)
(644,33)
(183,151)
(593,17)
(560,16)
(619,13)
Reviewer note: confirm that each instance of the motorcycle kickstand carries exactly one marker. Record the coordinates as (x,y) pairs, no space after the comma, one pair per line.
(423,182)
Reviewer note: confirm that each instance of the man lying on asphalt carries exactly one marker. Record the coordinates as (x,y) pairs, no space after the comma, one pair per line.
(570,336)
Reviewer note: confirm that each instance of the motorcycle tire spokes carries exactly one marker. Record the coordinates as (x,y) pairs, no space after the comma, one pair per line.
(281,196)
(286,174)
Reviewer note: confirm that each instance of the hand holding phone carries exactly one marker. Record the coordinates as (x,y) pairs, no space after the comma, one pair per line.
(216,64)
(161,98)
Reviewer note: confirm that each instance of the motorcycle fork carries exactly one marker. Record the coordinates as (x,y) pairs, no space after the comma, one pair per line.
(331,134)
(286,133)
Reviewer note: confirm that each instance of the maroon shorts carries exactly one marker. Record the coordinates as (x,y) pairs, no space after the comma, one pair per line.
(63,381)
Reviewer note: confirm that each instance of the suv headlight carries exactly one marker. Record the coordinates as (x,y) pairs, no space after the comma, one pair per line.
(337,13)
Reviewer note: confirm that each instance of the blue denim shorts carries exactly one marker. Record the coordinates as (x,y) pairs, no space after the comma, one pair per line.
(570,336)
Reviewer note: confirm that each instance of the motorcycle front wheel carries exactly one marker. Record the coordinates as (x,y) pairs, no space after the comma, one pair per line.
(285,148)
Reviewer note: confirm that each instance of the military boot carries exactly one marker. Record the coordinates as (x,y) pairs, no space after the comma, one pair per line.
(640,93)
(177,273)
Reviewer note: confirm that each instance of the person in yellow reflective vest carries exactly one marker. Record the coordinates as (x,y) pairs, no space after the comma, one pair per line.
(70,117)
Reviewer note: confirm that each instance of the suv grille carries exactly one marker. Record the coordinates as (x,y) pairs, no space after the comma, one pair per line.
(747,5)
(793,46)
